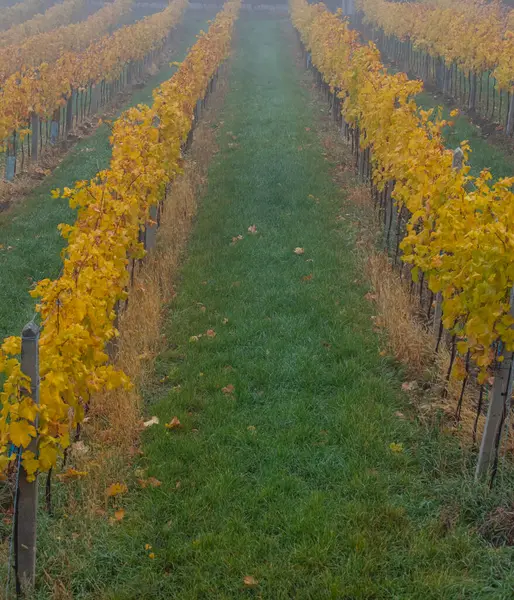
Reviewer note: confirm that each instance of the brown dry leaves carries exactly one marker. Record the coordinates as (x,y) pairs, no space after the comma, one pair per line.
(174,424)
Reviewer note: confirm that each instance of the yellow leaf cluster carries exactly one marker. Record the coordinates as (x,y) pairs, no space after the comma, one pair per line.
(21,11)
(459,231)
(56,16)
(78,309)
(476,35)
(43,89)
(49,46)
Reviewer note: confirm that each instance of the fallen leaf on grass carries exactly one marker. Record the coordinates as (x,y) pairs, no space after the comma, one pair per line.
(250,582)
(194,338)
(252,229)
(236,239)
(299,251)
(252,428)
(119,515)
(174,424)
(150,482)
(399,414)
(225,321)
(80,448)
(116,489)
(408,386)
(307,277)
(228,389)
(210,333)
(71,475)
(152,421)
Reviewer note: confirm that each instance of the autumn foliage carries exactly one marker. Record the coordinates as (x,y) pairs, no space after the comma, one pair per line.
(21,12)
(45,88)
(48,46)
(78,308)
(473,34)
(459,232)
(59,15)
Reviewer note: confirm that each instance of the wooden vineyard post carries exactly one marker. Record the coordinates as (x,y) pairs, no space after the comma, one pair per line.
(151,230)
(499,404)
(34,126)
(457,164)
(509,130)
(96,92)
(26,505)
(10,159)
(54,127)
(69,114)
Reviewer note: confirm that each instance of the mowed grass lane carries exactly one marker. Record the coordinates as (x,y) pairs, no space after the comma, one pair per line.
(283,469)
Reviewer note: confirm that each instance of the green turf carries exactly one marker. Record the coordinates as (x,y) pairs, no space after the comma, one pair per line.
(290,479)
(29,241)
(485,154)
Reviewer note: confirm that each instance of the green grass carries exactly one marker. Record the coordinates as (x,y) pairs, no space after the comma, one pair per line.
(485,154)
(30,244)
(291,478)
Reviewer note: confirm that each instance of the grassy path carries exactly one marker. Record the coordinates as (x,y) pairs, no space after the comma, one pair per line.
(290,478)
(30,244)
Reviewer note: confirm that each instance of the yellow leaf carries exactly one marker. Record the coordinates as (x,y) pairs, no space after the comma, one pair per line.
(250,582)
(173,424)
(116,489)
(395,447)
(21,433)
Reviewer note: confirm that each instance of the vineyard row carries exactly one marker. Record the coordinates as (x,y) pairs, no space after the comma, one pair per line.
(27,56)
(22,11)
(463,48)
(78,83)
(78,309)
(58,15)
(453,230)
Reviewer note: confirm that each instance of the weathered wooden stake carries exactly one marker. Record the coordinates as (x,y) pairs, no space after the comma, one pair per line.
(26,508)
(54,127)
(69,114)
(509,130)
(151,230)
(499,398)
(34,125)
(10,158)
